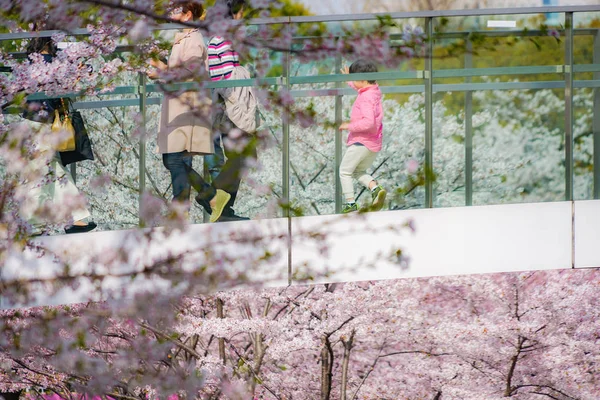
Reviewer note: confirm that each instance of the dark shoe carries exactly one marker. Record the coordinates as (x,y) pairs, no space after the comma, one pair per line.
(81,228)
(231,218)
(230,212)
(204,203)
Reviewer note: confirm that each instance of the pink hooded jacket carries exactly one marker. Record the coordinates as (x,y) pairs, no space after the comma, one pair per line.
(366,118)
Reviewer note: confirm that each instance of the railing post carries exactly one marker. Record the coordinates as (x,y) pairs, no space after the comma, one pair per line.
(429,114)
(285,142)
(469,130)
(73,168)
(596,119)
(142,163)
(569,107)
(285,149)
(338,139)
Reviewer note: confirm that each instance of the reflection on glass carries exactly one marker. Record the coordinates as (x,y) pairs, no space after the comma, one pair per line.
(488,127)
(498,121)
(518,146)
(114,131)
(586,105)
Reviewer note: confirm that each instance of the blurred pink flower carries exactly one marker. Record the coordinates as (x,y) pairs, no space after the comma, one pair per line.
(412,166)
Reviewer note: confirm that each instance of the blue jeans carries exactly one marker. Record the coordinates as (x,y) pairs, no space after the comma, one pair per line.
(214,162)
(183,176)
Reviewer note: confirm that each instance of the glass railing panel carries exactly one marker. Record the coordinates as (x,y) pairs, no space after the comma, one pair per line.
(449,132)
(498,121)
(502,40)
(313,143)
(518,146)
(261,191)
(586,105)
(108,183)
(312,158)
(400,164)
(114,130)
(499,98)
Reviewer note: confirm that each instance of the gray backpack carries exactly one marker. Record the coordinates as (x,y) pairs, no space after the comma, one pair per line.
(241,104)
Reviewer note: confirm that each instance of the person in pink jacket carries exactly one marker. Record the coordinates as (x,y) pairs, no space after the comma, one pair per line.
(364,139)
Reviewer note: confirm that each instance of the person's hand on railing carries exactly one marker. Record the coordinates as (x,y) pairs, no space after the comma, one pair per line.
(344,126)
(345,70)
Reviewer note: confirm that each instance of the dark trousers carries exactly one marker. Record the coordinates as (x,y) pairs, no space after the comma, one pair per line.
(183,176)
(227,175)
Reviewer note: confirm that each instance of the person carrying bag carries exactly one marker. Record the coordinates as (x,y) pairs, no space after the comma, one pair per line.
(80,147)
(58,113)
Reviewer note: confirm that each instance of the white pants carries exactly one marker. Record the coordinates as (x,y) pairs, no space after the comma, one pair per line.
(354,165)
(54,192)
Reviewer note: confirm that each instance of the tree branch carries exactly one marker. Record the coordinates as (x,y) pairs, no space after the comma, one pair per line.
(176,342)
(345,363)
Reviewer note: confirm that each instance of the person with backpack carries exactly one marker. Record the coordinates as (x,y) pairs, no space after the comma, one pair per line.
(234,124)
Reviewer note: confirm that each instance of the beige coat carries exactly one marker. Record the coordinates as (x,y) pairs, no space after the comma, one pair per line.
(185,120)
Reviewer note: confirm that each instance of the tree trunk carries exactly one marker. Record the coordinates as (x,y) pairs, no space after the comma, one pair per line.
(345,363)
(326,368)
(259,354)
(513,364)
(221,340)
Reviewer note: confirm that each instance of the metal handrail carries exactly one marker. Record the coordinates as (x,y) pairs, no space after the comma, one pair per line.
(481,12)
(379,76)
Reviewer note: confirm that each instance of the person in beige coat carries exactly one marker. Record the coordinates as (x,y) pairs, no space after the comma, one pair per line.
(185,122)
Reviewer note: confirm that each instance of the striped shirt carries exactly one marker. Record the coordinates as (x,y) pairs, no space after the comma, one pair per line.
(222,58)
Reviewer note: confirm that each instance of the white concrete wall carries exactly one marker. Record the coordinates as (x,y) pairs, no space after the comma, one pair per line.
(447,241)
(587,233)
(450,241)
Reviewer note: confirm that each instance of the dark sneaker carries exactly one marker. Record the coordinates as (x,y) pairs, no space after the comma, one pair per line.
(349,207)
(204,203)
(81,228)
(229,215)
(378,196)
(231,218)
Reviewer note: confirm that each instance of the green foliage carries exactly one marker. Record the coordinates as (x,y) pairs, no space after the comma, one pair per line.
(289,8)
(521,49)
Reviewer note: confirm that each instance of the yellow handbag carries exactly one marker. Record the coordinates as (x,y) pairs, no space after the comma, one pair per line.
(65,125)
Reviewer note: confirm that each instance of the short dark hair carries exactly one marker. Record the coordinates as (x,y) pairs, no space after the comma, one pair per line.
(40,44)
(234,7)
(360,66)
(195,7)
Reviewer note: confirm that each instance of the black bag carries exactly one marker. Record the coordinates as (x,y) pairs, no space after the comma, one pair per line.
(83,145)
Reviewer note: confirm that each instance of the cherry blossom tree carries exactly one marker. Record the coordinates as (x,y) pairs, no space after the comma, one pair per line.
(522,335)
(171,338)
